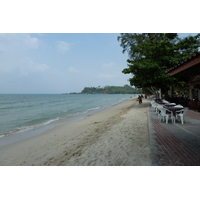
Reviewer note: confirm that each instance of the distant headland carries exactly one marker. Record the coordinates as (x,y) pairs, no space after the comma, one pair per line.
(126,89)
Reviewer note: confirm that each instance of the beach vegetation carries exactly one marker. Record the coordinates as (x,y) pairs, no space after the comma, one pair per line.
(151,54)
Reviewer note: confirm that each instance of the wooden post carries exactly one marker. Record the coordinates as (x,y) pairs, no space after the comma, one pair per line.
(160,95)
(191,93)
(171,91)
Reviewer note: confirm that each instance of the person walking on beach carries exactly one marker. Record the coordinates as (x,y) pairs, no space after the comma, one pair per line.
(140,99)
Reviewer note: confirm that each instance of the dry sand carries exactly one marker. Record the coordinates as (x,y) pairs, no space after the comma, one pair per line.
(117,136)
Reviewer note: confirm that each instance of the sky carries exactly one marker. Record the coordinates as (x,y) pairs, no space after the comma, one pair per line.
(54,63)
(62,47)
(60,62)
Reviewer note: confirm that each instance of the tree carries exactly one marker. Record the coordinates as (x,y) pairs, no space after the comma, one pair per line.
(150,54)
(126,89)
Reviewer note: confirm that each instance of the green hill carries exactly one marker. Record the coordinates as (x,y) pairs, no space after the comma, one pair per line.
(126,89)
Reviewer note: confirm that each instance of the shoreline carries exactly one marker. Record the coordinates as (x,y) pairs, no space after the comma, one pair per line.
(24,132)
(38,129)
(115,136)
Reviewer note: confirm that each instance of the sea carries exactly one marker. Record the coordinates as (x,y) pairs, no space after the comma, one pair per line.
(26,115)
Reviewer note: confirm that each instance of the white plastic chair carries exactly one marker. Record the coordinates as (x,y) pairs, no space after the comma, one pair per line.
(158,111)
(154,106)
(165,115)
(173,118)
(181,114)
(152,103)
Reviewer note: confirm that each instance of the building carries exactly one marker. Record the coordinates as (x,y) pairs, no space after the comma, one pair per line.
(189,68)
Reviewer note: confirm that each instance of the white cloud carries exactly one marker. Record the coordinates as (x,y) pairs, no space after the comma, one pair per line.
(73,70)
(41,67)
(31,42)
(30,67)
(42,63)
(18,41)
(15,54)
(62,46)
(108,65)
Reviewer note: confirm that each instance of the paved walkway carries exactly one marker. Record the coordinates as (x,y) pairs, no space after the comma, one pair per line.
(175,144)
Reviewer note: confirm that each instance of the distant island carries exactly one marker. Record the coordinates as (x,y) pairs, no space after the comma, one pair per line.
(126,89)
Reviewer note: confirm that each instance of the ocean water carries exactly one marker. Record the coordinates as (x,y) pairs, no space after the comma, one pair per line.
(22,113)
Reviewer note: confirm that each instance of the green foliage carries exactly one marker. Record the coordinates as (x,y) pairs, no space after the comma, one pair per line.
(150,54)
(126,89)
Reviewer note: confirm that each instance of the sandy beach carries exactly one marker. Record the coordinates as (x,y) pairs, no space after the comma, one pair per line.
(116,136)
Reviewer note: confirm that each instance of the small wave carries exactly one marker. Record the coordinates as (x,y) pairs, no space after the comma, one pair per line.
(22,129)
(90,109)
(50,121)
(29,128)
(7,108)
